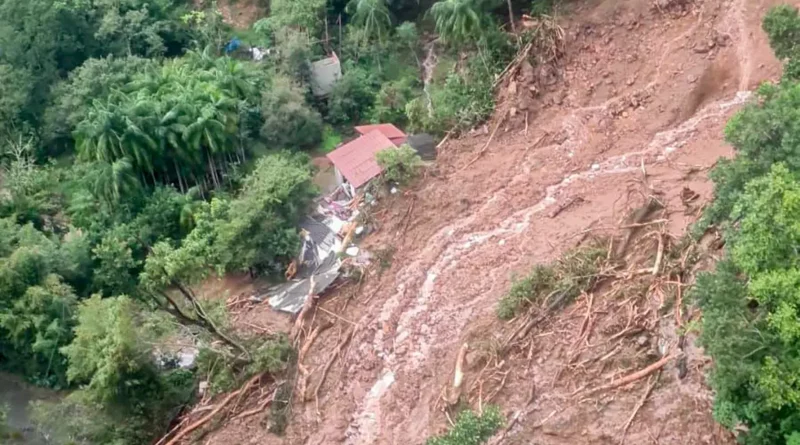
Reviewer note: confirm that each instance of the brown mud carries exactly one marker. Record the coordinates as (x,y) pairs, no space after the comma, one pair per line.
(644,90)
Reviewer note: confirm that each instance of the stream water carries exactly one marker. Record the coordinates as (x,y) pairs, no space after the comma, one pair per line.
(15,395)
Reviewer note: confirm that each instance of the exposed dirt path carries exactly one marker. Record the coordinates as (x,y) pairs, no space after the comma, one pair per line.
(640,88)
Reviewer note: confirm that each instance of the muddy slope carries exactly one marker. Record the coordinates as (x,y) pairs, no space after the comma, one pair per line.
(642,86)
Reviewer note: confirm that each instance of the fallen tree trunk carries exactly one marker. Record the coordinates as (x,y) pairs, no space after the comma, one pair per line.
(630,378)
(183,433)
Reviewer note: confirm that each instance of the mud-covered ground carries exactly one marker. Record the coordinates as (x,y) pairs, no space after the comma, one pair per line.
(642,87)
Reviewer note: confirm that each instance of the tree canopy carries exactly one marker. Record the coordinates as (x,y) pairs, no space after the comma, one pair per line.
(750,301)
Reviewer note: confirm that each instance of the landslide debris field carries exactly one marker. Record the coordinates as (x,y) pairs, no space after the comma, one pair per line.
(610,154)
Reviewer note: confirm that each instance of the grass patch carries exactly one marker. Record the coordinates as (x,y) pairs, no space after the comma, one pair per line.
(330,139)
(471,429)
(555,284)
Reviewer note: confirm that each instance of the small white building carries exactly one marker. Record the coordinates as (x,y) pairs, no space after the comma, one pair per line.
(324,75)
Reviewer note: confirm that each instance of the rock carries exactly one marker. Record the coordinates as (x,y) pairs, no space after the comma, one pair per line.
(642,340)
(512,87)
(692,78)
(624,114)
(526,72)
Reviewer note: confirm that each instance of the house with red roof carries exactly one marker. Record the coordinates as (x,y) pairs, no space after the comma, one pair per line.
(355,161)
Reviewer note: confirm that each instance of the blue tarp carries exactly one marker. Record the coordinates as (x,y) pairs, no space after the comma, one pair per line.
(233,45)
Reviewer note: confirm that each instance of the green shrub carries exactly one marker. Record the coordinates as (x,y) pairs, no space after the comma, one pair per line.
(458,104)
(555,284)
(763,133)
(400,165)
(750,311)
(330,139)
(542,7)
(782,26)
(471,429)
(526,291)
(288,121)
(392,99)
(352,97)
(751,302)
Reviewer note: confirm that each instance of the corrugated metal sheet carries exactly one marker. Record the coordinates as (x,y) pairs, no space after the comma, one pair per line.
(356,159)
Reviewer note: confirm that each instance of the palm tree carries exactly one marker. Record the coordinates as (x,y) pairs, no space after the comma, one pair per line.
(373,16)
(114,181)
(458,21)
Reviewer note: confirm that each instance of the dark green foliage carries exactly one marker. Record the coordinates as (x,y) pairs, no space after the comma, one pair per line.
(763,133)
(471,429)
(126,395)
(260,231)
(373,18)
(178,125)
(288,121)
(467,95)
(31,191)
(37,306)
(304,15)
(93,80)
(460,103)
(542,7)
(400,165)
(392,99)
(750,302)
(554,285)
(352,96)
(782,26)
(270,355)
(460,21)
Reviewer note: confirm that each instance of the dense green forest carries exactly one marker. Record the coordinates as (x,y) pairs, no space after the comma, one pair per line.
(140,154)
(751,301)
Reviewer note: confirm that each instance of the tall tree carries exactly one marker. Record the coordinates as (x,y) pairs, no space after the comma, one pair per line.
(458,21)
(373,17)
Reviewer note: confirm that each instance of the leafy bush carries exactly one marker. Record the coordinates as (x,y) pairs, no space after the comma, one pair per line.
(288,121)
(400,165)
(750,302)
(125,393)
(392,99)
(306,15)
(351,97)
(331,139)
(526,291)
(542,7)
(763,133)
(782,26)
(471,429)
(458,104)
(554,284)
(750,306)
(467,95)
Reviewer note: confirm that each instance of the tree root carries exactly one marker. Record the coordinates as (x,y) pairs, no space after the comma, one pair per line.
(183,433)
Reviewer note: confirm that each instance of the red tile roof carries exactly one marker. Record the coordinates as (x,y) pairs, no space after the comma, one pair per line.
(356,159)
(390,131)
